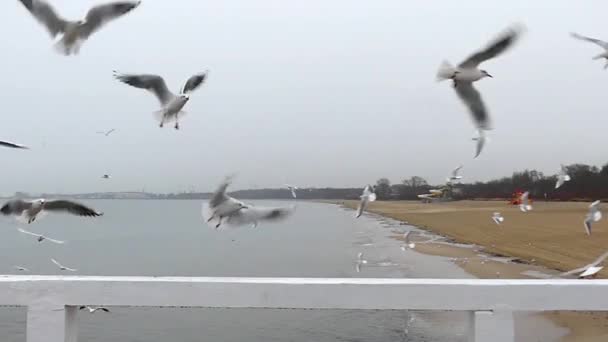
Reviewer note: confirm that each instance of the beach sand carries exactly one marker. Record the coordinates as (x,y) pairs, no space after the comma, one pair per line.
(550,236)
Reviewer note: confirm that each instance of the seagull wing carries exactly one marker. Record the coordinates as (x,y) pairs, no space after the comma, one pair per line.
(15,207)
(601,43)
(109,132)
(152,83)
(361,207)
(102,14)
(578,270)
(46,15)
(587,224)
(57,263)
(55,241)
(28,233)
(495,48)
(12,145)
(219,195)
(472,99)
(599,260)
(194,82)
(71,207)
(455,172)
(481,140)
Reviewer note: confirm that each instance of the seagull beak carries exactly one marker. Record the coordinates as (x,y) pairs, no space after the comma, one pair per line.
(490,76)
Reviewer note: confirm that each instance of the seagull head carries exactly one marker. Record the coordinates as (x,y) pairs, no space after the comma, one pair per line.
(486,74)
(186,97)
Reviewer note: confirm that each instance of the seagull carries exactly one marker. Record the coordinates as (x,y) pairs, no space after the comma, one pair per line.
(63,268)
(497,218)
(367,196)
(40,237)
(222,205)
(106,176)
(588,270)
(106,133)
(94,309)
(21,268)
(293,189)
(408,243)
(171,104)
(455,176)
(30,209)
(13,145)
(601,43)
(76,32)
(467,72)
(252,215)
(562,177)
(524,202)
(481,141)
(360,261)
(594,215)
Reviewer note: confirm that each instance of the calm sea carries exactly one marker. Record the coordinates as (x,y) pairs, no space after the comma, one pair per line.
(169,238)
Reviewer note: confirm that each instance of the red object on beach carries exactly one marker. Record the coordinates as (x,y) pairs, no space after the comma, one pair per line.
(516,197)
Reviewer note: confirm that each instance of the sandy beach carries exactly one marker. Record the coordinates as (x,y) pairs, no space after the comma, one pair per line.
(548,239)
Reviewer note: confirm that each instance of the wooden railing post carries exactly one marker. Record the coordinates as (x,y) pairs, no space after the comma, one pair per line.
(46,323)
(491,326)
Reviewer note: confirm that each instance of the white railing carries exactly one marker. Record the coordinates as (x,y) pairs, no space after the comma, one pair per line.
(52,301)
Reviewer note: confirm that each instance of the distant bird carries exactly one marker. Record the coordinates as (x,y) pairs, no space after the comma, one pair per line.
(29,210)
(293,189)
(172,104)
(21,269)
(524,204)
(408,243)
(467,72)
(562,177)
(92,309)
(594,215)
(481,141)
(76,32)
(106,176)
(601,43)
(63,268)
(497,218)
(253,215)
(360,261)
(367,196)
(40,237)
(106,133)
(588,270)
(222,205)
(455,176)
(13,145)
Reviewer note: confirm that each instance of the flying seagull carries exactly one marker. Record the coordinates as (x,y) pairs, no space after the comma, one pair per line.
(106,133)
(76,32)
(253,215)
(594,215)
(562,177)
(468,72)
(40,237)
(21,268)
(601,43)
(106,176)
(13,145)
(293,189)
(408,243)
(455,176)
(367,196)
(588,270)
(221,205)
(481,141)
(524,204)
(360,261)
(92,309)
(30,209)
(497,218)
(63,268)
(172,104)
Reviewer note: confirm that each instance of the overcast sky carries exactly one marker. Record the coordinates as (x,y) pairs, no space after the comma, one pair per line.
(314,93)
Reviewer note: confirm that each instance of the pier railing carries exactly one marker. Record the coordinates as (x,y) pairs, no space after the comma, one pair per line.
(52,301)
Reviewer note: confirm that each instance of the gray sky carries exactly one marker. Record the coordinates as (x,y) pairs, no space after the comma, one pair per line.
(325,93)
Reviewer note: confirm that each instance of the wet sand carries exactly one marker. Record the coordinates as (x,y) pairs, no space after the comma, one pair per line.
(550,237)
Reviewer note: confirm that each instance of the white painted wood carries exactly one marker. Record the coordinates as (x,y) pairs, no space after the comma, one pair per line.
(45,324)
(493,326)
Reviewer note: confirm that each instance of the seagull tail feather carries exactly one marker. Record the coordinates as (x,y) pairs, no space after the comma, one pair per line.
(445,72)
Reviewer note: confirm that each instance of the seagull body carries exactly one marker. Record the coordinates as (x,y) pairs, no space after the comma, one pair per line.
(222,205)
(590,269)
(601,43)
(106,133)
(468,72)
(360,261)
(171,104)
(562,177)
(106,176)
(253,215)
(367,196)
(481,141)
(293,189)
(74,33)
(497,218)
(408,243)
(594,215)
(63,268)
(21,268)
(29,210)
(92,309)
(524,204)
(13,145)
(40,237)
(455,176)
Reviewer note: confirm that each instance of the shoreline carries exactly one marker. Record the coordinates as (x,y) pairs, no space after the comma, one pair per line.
(487,256)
